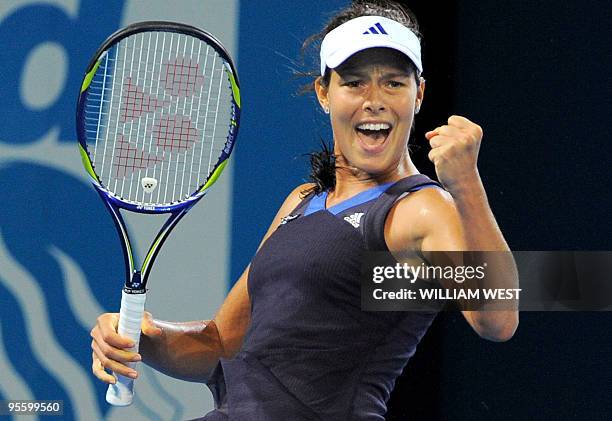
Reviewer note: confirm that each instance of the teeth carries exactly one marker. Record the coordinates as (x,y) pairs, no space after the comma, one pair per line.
(370,126)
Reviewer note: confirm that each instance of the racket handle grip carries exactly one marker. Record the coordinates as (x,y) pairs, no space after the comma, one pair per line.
(130,317)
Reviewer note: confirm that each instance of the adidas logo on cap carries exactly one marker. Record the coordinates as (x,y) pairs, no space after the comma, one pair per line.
(376,29)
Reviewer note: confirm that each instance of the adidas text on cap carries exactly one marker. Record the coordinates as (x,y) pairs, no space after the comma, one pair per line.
(368,32)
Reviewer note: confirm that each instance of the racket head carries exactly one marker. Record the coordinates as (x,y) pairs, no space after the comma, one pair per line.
(158,115)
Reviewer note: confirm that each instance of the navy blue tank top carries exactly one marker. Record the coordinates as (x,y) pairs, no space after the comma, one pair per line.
(310,352)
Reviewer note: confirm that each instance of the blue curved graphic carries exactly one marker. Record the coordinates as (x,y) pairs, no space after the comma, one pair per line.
(54,229)
(27,28)
(67,215)
(20,353)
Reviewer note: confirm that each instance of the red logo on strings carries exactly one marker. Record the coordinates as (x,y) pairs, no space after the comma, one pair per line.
(180,79)
(129,158)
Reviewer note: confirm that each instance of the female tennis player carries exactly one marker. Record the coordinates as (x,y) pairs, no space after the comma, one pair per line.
(291,341)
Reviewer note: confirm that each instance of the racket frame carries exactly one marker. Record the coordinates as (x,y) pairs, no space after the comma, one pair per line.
(136,279)
(134,291)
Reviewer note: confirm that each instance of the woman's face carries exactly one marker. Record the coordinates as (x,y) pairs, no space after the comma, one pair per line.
(372,99)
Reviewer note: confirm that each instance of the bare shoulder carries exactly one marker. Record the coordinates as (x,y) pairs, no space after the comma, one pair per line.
(295,197)
(419,216)
(431,199)
(291,201)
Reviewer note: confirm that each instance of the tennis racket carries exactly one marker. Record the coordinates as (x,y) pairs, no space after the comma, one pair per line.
(157,118)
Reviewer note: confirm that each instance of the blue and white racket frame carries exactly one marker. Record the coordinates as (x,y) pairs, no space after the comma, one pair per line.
(134,292)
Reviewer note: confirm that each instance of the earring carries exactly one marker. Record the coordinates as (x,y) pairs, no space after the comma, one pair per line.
(417,109)
(326,110)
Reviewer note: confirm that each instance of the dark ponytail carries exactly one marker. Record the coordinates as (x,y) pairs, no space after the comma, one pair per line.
(322,169)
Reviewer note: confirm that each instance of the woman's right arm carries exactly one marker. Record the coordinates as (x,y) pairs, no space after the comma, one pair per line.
(189,350)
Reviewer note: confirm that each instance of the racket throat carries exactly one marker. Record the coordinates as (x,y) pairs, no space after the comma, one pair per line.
(135,284)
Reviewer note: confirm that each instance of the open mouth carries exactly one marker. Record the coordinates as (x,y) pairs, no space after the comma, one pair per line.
(373,135)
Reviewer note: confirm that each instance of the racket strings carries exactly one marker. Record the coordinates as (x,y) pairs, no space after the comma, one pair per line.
(159,106)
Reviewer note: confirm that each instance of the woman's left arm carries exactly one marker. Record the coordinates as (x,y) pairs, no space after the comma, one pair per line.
(481,233)
(454,153)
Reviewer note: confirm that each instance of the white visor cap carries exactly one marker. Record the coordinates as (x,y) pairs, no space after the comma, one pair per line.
(368,32)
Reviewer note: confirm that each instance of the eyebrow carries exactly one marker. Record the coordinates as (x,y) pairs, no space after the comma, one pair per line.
(363,74)
(396,74)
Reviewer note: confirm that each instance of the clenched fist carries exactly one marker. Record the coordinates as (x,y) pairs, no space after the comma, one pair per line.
(454,152)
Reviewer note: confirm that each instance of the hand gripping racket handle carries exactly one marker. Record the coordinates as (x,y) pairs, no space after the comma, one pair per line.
(130,317)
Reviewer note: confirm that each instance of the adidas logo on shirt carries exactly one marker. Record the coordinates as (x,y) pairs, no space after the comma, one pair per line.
(288,218)
(376,29)
(354,219)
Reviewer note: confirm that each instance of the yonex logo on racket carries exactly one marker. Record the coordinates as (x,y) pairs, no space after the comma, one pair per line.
(376,29)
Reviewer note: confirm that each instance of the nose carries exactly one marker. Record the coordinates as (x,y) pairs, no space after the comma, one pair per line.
(373,101)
